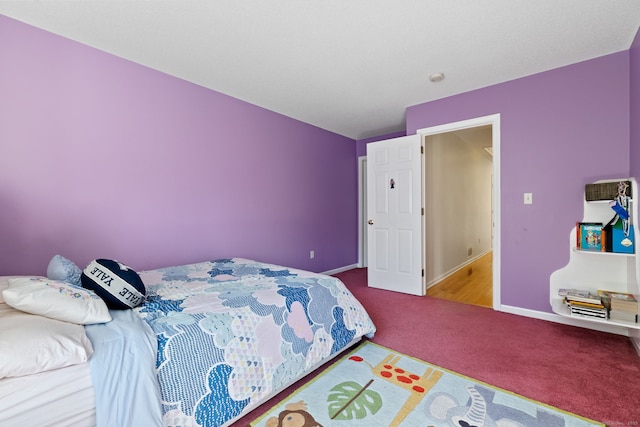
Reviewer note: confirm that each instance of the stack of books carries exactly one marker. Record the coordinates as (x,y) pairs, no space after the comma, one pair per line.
(622,306)
(583,303)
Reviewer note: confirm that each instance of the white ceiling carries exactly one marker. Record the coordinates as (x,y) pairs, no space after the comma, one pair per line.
(349,66)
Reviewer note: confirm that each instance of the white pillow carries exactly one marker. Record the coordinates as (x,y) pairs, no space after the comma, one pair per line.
(4,283)
(30,344)
(56,300)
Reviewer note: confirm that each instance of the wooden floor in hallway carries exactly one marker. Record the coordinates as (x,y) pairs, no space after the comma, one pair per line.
(472,284)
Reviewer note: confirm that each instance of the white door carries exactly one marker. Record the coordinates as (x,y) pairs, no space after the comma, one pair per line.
(394,206)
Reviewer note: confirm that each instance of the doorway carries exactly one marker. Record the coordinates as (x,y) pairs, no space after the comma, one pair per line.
(458,169)
(494,122)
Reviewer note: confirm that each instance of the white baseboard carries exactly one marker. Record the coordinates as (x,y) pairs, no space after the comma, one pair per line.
(340,269)
(551,317)
(635,339)
(443,276)
(636,344)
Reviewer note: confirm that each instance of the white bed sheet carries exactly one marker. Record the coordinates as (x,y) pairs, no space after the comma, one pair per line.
(60,397)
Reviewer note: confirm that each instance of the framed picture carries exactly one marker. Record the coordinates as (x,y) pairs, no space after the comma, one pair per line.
(590,236)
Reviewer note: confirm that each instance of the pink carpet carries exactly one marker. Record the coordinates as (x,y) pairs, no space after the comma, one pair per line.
(590,373)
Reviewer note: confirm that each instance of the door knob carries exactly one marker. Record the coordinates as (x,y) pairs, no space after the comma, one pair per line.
(370,222)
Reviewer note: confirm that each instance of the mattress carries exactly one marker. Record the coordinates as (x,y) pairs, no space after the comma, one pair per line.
(60,397)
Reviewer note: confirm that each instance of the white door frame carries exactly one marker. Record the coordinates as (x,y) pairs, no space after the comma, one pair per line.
(494,121)
(362,212)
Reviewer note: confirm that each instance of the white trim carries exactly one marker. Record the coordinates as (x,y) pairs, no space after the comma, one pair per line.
(440,278)
(494,121)
(362,173)
(340,269)
(551,317)
(636,344)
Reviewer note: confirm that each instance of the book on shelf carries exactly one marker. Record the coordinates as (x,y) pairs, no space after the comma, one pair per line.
(580,313)
(623,301)
(590,236)
(595,310)
(589,316)
(583,303)
(624,316)
(604,304)
(629,308)
(580,295)
(622,306)
(564,291)
(592,303)
(580,304)
(619,297)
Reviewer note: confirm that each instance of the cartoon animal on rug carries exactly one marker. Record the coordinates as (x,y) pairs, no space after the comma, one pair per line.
(294,415)
(481,411)
(417,385)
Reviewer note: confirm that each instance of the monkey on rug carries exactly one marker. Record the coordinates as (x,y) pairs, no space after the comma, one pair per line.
(294,415)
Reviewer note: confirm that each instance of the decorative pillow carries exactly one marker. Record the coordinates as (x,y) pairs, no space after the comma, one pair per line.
(60,268)
(32,344)
(56,300)
(117,284)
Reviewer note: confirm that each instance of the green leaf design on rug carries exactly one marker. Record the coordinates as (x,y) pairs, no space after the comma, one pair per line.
(349,400)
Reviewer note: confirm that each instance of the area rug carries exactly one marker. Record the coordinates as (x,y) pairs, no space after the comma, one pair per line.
(375,386)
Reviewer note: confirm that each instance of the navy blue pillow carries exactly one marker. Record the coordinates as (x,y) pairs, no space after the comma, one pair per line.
(117,284)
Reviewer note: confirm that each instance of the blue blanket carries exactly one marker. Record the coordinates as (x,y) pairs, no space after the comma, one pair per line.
(231,332)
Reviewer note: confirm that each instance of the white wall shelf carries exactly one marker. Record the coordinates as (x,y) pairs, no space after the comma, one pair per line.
(593,270)
(598,253)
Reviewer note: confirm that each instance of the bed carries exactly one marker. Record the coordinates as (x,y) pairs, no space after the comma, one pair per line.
(211,342)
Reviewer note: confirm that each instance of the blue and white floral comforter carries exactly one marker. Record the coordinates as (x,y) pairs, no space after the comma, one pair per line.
(232,332)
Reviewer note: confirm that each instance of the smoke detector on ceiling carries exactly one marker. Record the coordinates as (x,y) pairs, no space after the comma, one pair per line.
(436,77)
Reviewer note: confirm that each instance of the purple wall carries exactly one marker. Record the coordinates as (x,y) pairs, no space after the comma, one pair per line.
(560,130)
(100,157)
(635,106)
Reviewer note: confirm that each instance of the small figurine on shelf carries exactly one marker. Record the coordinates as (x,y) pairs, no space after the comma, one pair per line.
(621,203)
(619,231)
